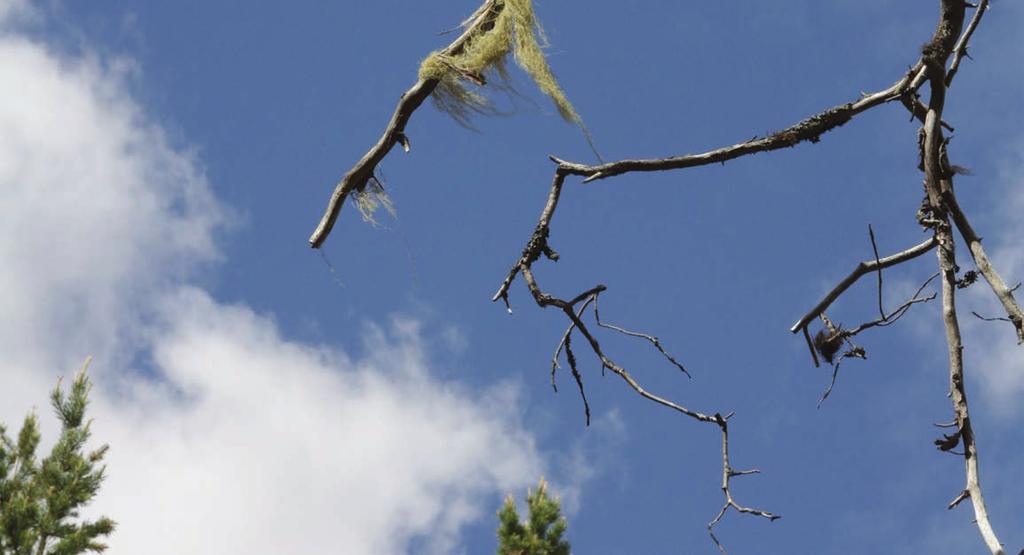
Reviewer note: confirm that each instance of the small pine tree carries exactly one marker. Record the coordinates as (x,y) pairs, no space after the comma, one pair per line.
(541,534)
(40,500)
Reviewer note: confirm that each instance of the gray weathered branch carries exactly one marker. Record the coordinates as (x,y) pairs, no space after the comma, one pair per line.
(981,261)
(809,129)
(960,50)
(939,186)
(394,133)
(865,267)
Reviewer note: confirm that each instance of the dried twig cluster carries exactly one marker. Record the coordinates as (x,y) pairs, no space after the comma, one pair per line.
(940,212)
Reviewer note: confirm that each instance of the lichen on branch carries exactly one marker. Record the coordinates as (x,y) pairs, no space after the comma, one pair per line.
(514,30)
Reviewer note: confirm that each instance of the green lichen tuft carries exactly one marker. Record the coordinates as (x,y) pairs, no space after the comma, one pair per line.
(372,197)
(516,31)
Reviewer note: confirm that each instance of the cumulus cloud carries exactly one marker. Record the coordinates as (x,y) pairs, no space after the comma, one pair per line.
(98,210)
(230,438)
(992,346)
(254,444)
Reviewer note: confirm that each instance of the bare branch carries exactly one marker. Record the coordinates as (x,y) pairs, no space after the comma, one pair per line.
(828,390)
(394,133)
(893,316)
(810,345)
(995,319)
(981,261)
(727,474)
(538,242)
(860,270)
(937,184)
(949,43)
(918,110)
(651,338)
(571,358)
(561,344)
(959,498)
(537,245)
(809,129)
(878,266)
(960,50)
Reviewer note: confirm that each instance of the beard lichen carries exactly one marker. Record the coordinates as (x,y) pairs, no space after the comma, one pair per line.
(514,30)
(370,198)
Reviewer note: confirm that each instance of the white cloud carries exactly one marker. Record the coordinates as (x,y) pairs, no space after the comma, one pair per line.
(991,347)
(258,445)
(233,439)
(14,10)
(98,210)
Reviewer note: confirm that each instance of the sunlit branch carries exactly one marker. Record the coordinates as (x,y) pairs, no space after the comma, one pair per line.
(960,50)
(865,267)
(939,186)
(357,177)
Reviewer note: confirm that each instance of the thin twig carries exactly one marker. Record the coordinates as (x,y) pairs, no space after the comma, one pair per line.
(565,338)
(566,343)
(890,318)
(828,390)
(570,357)
(960,50)
(651,338)
(995,319)
(878,265)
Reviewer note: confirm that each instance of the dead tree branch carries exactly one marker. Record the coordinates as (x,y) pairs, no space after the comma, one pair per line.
(728,472)
(981,261)
(566,344)
(538,245)
(810,129)
(960,50)
(863,268)
(829,344)
(357,177)
(988,319)
(939,187)
(940,211)
(654,340)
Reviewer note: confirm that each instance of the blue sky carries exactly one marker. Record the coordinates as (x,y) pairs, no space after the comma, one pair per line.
(163,164)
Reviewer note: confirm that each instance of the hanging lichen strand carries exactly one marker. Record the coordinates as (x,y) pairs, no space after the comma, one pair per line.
(515,29)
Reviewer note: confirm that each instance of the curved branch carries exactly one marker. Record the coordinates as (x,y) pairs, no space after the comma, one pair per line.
(810,129)
(394,133)
(865,267)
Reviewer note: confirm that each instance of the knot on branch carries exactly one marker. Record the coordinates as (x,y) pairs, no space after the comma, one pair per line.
(969,278)
(537,245)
